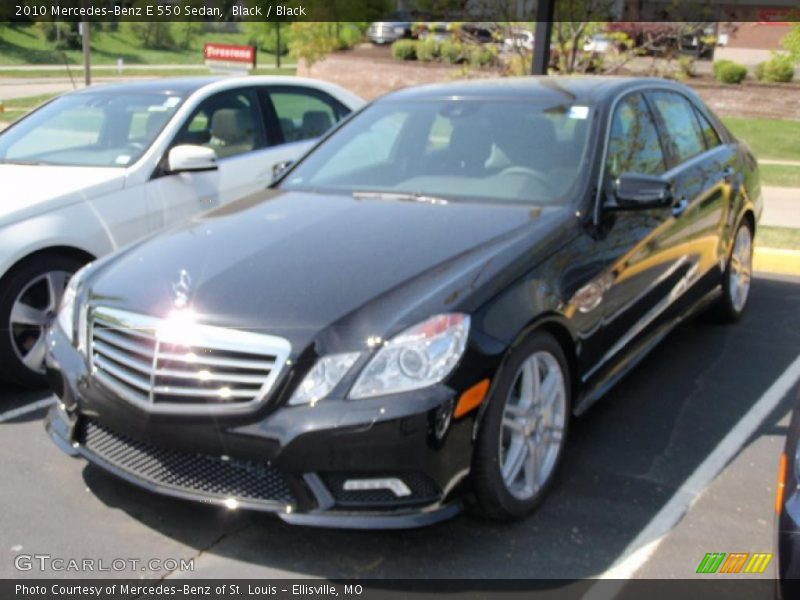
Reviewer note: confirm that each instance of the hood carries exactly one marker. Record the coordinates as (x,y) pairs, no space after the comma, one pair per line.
(33,189)
(292,264)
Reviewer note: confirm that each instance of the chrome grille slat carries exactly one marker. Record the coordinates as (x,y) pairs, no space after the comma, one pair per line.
(121,342)
(122,374)
(222,362)
(191,368)
(200,393)
(210,376)
(104,350)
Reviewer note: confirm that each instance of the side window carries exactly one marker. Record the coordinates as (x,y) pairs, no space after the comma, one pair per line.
(228,122)
(303,114)
(709,133)
(633,144)
(678,116)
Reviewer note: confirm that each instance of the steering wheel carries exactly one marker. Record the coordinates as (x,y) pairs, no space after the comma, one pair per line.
(538,178)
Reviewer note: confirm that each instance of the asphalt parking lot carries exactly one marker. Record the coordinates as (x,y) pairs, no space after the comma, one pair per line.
(628,458)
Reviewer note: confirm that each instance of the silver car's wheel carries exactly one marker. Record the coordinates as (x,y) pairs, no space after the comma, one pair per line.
(533,423)
(741,269)
(32,310)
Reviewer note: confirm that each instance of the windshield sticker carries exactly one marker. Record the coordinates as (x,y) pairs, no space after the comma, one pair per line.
(123,159)
(579,112)
(157,108)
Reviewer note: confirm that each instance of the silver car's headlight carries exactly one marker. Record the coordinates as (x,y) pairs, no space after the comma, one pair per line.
(416,358)
(323,377)
(67,317)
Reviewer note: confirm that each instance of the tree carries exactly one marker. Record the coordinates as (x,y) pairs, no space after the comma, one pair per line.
(312,41)
(791,42)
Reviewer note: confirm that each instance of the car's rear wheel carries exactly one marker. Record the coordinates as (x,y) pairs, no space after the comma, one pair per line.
(29,298)
(521,438)
(737,277)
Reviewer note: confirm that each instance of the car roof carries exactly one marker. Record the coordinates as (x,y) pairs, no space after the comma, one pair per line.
(586,89)
(185,86)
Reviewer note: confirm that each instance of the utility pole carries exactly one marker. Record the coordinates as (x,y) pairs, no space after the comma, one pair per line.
(87,67)
(541,37)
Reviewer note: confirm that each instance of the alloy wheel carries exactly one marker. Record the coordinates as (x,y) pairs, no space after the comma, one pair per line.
(533,424)
(33,309)
(741,268)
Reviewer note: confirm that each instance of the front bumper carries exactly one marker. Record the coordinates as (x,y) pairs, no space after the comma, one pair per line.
(291,461)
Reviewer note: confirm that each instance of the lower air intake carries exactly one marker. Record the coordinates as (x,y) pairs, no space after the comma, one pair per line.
(193,474)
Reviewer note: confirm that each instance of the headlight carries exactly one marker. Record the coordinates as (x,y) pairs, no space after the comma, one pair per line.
(67,313)
(416,358)
(322,378)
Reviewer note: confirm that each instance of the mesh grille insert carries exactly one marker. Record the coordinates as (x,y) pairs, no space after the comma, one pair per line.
(204,475)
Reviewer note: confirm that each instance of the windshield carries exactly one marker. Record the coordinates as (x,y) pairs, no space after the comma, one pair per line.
(90,129)
(483,149)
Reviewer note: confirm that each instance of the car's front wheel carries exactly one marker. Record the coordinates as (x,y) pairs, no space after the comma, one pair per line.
(29,298)
(521,438)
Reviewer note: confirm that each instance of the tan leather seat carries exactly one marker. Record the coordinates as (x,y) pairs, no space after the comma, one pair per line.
(232,131)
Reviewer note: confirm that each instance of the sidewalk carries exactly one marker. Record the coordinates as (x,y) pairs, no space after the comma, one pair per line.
(781,207)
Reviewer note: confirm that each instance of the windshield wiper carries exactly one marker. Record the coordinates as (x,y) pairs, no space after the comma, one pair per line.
(401,196)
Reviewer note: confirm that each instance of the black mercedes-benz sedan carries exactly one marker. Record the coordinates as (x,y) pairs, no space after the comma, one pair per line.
(410,315)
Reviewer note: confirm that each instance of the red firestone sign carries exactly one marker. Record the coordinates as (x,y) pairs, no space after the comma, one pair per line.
(230,57)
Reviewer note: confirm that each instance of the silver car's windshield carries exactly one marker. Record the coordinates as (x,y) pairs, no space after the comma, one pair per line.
(506,150)
(101,129)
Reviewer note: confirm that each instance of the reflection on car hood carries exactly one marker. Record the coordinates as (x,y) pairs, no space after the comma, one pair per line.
(294,263)
(33,189)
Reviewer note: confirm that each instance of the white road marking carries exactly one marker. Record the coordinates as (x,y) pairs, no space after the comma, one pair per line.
(28,408)
(641,549)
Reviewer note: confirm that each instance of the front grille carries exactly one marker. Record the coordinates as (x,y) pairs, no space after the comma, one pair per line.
(193,474)
(175,365)
(423,491)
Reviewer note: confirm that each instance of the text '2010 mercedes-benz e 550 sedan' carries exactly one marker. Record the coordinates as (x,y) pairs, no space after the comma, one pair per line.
(415,310)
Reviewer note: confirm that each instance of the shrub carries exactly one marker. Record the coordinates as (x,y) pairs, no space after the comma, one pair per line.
(451,51)
(404,50)
(480,56)
(719,65)
(687,65)
(778,69)
(427,50)
(731,73)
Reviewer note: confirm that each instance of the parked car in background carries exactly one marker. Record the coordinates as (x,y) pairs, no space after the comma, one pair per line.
(386,32)
(520,39)
(787,507)
(414,311)
(97,169)
(598,43)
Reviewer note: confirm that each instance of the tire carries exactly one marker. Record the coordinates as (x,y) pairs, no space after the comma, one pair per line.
(34,287)
(736,279)
(499,492)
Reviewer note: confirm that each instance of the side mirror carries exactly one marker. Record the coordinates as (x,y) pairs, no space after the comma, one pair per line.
(191,158)
(634,191)
(280,168)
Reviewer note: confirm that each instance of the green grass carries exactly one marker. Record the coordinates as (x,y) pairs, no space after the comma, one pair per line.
(778,237)
(768,138)
(132,71)
(780,175)
(26,45)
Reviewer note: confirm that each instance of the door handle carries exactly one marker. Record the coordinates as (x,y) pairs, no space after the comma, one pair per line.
(728,173)
(679,208)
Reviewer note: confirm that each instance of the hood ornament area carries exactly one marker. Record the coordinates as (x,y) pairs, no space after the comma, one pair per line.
(182,289)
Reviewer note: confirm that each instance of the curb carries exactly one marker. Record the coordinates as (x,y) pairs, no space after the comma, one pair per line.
(776,260)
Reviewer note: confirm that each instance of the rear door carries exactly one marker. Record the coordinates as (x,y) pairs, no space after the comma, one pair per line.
(703,173)
(296,117)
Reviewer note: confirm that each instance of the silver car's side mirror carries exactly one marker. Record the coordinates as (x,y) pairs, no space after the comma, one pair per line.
(188,158)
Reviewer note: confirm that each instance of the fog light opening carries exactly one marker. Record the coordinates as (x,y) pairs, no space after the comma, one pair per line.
(393,484)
